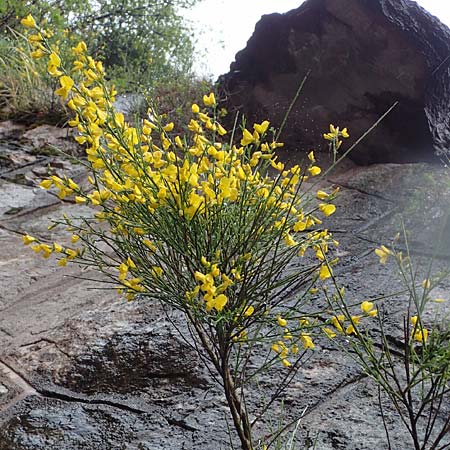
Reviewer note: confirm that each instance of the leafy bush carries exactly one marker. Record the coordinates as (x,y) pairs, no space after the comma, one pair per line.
(142,43)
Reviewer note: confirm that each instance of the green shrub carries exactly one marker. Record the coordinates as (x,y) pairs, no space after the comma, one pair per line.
(142,44)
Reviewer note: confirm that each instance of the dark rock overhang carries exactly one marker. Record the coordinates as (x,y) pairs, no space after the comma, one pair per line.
(363,55)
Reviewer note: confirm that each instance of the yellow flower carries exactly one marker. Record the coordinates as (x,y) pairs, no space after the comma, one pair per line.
(71,254)
(383,253)
(46,250)
(248,311)
(221,130)
(261,128)
(290,241)
(421,335)
(322,195)
(355,320)
(338,321)
(287,335)
(46,184)
(247,137)
(195,108)
(80,48)
(195,126)
(66,85)
(157,271)
(150,245)
(307,341)
(38,53)
(53,71)
(130,263)
(62,262)
(286,362)
(54,59)
(35,38)
(314,170)
(426,284)
(28,22)
(169,127)
(366,307)
(220,302)
(282,322)
(327,208)
(27,239)
(324,272)
(320,254)
(209,100)
(276,348)
(329,332)
(333,134)
(311,156)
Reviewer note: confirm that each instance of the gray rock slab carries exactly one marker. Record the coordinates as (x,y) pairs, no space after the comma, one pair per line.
(82,369)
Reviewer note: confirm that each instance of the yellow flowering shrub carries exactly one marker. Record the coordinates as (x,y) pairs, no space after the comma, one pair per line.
(202,219)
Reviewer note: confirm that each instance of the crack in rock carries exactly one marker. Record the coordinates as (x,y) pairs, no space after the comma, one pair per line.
(27,389)
(341,387)
(48,341)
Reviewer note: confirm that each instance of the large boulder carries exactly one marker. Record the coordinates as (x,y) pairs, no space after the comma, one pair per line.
(363,55)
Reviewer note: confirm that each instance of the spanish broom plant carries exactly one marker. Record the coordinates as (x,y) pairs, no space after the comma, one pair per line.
(202,220)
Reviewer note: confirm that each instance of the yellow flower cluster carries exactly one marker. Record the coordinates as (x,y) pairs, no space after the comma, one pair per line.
(46,250)
(290,342)
(383,253)
(420,334)
(345,325)
(334,135)
(144,172)
(130,284)
(213,295)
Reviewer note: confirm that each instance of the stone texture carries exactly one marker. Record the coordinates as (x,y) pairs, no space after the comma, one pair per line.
(51,140)
(362,55)
(80,369)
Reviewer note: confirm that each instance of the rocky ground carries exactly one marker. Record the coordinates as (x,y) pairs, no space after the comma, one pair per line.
(81,369)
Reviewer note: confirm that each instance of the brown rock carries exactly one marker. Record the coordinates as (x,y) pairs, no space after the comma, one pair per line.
(10,129)
(51,139)
(363,55)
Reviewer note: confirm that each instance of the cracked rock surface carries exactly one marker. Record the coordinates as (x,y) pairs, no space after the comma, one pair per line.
(82,369)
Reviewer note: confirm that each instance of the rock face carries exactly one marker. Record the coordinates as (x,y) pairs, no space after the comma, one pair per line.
(81,370)
(363,55)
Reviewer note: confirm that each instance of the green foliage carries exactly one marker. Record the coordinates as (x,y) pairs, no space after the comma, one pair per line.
(139,41)
(175,98)
(142,43)
(26,90)
(54,12)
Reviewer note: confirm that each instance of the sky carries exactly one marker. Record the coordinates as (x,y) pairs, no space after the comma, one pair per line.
(223,27)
